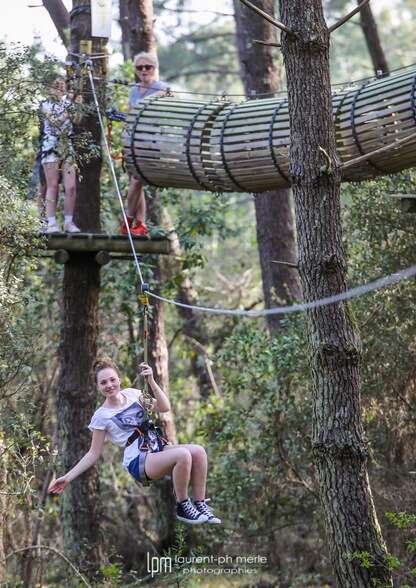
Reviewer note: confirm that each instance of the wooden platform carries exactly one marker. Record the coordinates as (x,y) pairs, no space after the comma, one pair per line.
(104,244)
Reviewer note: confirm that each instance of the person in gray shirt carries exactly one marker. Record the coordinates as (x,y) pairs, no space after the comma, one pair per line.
(147,70)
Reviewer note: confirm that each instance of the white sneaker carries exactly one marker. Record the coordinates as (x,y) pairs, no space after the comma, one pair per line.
(71,228)
(204,509)
(55,228)
(43,226)
(187,513)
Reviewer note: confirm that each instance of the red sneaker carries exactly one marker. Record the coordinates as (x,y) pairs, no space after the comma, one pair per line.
(123,227)
(140,230)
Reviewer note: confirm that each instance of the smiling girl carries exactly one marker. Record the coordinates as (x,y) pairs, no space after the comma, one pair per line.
(124,419)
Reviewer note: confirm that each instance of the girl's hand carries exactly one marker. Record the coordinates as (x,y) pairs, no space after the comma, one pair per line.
(58,486)
(145,371)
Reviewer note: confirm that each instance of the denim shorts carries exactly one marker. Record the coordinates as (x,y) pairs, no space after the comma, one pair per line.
(136,467)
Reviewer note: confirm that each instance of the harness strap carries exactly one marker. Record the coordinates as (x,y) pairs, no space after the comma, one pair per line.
(135,435)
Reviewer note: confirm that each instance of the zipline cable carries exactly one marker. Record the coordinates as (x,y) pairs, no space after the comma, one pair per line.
(378,284)
(383,282)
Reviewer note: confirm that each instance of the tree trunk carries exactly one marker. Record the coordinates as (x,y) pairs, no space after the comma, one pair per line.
(136,21)
(77,394)
(4,510)
(139,35)
(339,446)
(193,324)
(124,26)
(142,38)
(60,18)
(158,350)
(276,238)
(77,398)
(372,39)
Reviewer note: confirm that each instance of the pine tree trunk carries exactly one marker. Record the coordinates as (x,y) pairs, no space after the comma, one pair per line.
(77,395)
(158,349)
(139,35)
(142,38)
(339,446)
(124,26)
(137,27)
(193,324)
(60,18)
(276,238)
(4,510)
(372,39)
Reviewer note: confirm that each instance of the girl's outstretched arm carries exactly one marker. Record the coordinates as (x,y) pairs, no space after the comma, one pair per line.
(58,486)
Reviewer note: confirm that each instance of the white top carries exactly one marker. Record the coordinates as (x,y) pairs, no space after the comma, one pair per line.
(54,125)
(120,422)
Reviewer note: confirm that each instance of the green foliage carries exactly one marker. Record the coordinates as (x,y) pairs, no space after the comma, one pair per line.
(365,558)
(256,430)
(112,574)
(23,78)
(401,520)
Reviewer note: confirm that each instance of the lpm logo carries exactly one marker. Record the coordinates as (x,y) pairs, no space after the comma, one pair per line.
(159,565)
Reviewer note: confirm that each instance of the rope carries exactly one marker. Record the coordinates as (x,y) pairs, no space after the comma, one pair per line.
(378,284)
(144,300)
(143,297)
(113,174)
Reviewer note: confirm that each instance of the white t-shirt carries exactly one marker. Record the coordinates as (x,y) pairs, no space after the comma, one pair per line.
(119,423)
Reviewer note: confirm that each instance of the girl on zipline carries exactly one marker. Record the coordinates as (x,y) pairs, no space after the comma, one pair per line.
(123,418)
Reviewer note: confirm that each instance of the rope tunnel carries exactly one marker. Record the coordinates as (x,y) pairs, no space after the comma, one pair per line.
(244,147)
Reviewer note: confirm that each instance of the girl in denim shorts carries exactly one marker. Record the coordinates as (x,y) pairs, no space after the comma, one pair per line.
(124,419)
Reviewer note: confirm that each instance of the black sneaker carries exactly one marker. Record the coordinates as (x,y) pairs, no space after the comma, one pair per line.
(203,508)
(187,513)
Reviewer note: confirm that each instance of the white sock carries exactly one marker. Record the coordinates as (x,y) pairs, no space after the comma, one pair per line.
(68,218)
(51,220)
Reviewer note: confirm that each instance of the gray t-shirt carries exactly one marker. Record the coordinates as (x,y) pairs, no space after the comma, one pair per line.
(139,92)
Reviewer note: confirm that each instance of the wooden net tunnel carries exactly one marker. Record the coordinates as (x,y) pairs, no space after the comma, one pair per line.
(243,147)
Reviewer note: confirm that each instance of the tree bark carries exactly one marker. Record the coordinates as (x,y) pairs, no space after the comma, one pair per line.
(60,18)
(193,324)
(158,350)
(77,394)
(4,510)
(276,239)
(142,38)
(139,35)
(372,39)
(137,30)
(339,446)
